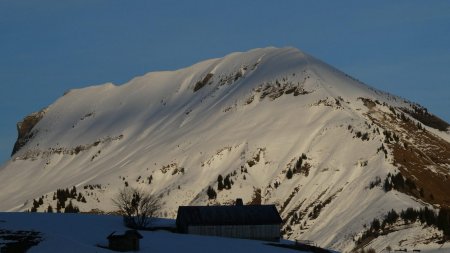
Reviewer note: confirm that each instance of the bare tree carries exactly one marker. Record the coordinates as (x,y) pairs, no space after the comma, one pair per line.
(137,207)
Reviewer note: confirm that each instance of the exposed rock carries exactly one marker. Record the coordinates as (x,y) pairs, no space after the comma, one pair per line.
(203,82)
(25,129)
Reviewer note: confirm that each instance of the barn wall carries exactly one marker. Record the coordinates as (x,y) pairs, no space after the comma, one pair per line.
(259,232)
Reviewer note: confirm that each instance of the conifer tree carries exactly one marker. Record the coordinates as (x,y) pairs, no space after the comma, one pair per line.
(73,192)
(227,182)
(220,185)
(289,174)
(70,208)
(211,193)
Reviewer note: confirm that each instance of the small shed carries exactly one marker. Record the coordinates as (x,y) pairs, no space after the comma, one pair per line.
(260,222)
(126,242)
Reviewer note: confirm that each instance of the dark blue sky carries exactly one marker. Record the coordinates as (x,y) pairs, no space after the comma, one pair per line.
(50,46)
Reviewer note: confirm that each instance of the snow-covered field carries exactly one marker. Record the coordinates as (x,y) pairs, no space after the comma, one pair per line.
(83,232)
(80,233)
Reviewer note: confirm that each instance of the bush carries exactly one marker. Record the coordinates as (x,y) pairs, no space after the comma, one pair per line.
(137,207)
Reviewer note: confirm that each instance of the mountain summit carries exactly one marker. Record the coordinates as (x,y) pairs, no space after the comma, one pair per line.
(271,125)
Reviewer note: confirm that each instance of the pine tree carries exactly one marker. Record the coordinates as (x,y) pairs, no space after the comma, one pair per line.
(391,217)
(298,164)
(49,209)
(150,178)
(220,183)
(62,204)
(73,192)
(70,208)
(67,193)
(58,207)
(409,214)
(443,221)
(211,193)
(387,185)
(289,174)
(35,204)
(227,182)
(375,226)
(429,217)
(398,182)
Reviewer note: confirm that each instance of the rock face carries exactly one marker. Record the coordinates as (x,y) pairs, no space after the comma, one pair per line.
(270,126)
(25,129)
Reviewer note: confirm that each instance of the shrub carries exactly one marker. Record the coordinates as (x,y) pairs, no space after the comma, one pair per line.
(137,207)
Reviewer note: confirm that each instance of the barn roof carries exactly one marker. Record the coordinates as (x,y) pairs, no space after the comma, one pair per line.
(228,215)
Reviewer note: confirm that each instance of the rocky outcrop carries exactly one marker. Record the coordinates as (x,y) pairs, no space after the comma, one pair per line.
(25,129)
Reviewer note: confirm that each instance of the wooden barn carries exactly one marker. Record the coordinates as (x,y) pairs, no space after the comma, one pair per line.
(126,242)
(260,222)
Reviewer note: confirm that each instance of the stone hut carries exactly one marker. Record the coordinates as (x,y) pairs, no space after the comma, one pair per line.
(126,242)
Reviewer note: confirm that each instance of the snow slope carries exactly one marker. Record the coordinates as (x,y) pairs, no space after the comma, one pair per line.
(248,115)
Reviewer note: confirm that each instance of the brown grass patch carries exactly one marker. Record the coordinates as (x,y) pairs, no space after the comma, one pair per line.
(421,156)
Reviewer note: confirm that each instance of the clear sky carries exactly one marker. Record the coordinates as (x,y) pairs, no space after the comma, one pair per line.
(50,46)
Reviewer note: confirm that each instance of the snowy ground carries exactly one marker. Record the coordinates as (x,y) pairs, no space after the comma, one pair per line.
(82,232)
(419,237)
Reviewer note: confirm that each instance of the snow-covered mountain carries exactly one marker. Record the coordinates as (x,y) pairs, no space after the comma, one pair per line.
(277,125)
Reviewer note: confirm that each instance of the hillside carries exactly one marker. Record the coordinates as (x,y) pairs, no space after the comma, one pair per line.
(278,125)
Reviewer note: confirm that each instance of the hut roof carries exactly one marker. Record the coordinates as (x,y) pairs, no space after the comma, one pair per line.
(229,215)
(128,234)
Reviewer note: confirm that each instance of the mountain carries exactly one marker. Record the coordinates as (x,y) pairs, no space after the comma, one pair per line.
(275,124)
